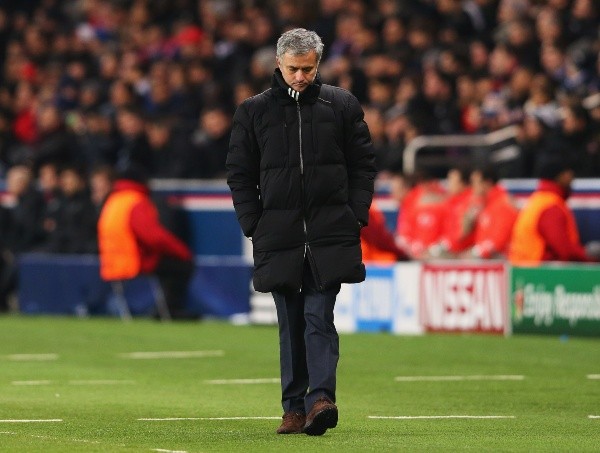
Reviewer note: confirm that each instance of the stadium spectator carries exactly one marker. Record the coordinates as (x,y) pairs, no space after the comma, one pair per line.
(377,241)
(420,217)
(20,226)
(301,171)
(545,229)
(457,232)
(75,218)
(494,215)
(48,184)
(171,152)
(100,180)
(132,241)
(133,149)
(210,143)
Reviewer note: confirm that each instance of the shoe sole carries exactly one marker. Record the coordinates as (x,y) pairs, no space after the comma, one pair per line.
(324,420)
(290,432)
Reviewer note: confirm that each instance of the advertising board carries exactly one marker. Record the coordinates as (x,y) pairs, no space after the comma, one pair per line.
(463,297)
(556,299)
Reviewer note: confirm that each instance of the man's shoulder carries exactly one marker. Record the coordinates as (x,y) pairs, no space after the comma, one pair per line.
(332,93)
(257,100)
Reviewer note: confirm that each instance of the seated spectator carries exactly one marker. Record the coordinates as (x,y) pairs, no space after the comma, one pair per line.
(101,180)
(132,241)
(54,142)
(457,232)
(420,218)
(48,184)
(211,142)
(170,151)
(377,242)
(75,227)
(133,148)
(545,229)
(495,217)
(20,227)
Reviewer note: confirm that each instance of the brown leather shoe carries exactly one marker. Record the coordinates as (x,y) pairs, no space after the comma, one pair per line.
(293,423)
(322,416)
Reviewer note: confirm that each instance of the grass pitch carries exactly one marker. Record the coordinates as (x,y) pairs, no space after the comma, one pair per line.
(82,372)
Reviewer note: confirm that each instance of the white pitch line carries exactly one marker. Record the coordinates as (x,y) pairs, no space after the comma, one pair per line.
(39,382)
(593,376)
(243,381)
(171,354)
(176,419)
(593,416)
(435,417)
(101,382)
(499,377)
(169,451)
(32,357)
(47,420)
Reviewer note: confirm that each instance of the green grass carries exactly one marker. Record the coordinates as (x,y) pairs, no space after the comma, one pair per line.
(551,404)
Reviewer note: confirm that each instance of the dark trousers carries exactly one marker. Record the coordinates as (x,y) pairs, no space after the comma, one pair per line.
(308,344)
(174,276)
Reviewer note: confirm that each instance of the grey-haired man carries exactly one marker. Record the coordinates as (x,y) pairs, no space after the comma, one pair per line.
(301,171)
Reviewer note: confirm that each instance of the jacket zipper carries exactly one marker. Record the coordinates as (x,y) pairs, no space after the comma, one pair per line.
(302,177)
(307,250)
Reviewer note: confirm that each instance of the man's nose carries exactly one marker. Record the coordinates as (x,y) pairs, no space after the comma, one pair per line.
(299,75)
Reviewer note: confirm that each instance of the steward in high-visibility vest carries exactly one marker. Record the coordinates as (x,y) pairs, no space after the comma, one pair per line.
(545,229)
(131,239)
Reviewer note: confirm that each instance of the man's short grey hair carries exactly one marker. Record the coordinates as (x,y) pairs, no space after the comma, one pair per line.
(299,41)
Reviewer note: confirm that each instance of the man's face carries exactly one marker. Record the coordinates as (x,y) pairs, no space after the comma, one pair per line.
(298,71)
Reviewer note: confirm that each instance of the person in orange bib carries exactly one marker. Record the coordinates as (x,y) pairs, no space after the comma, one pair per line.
(545,229)
(132,241)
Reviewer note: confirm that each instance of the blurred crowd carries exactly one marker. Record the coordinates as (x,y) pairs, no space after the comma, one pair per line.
(90,87)
(110,82)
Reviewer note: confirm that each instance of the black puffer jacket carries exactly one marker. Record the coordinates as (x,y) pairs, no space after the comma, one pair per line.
(301,191)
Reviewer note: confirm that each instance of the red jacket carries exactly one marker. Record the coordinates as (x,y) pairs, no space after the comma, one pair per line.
(456,235)
(153,240)
(377,242)
(494,225)
(546,229)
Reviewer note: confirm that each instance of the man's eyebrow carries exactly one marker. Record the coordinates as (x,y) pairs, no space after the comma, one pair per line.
(301,67)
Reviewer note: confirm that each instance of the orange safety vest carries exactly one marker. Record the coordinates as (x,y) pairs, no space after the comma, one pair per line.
(527,245)
(119,251)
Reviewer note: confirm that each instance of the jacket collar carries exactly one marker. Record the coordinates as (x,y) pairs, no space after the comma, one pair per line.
(547,185)
(129,184)
(283,92)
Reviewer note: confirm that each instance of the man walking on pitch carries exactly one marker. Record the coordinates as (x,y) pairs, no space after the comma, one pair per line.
(301,172)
